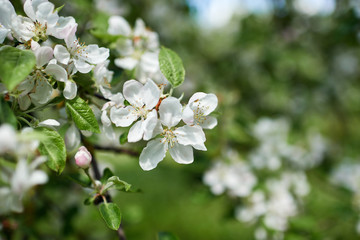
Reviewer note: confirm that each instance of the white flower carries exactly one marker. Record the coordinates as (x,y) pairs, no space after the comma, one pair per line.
(24,178)
(84,57)
(8,140)
(7,13)
(179,141)
(199,107)
(36,87)
(102,74)
(143,99)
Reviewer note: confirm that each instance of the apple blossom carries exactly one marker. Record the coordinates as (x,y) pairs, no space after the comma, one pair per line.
(142,99)
(179,141)
(199,107)
(83,157)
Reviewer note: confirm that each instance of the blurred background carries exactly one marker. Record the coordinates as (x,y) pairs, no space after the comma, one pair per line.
(280,68)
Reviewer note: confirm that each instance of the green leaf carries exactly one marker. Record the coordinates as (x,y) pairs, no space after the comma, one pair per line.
(16,65)
(58,9)
(7,115)
(111,214)
(82,115)
(123,137)
(166,236)
(53,147)
(116,182)
(172,67)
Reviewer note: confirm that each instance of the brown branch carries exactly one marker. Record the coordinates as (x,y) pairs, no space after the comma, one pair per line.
(118,150)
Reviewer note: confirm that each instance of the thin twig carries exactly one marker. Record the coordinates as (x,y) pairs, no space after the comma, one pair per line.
(118,150)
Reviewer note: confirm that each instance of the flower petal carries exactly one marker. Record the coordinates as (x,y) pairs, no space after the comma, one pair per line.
(182,154)
(188,115)
(83,66)
(170,111)
(209,123)
(43,55)
(61,54)
(136,132)
(206,103)
(127,63)
(58,72)
(119,26)
(132,92)
(70,90)
(152,154)
(42,92)
(150,124)
(150,94)
(191,135)
(49,122)
(96,55)
(7,11)
(123,117)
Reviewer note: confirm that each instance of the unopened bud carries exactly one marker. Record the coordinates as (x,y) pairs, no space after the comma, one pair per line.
(83,157)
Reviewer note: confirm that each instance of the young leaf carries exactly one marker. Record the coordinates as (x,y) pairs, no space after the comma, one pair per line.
(123,138)
(7,115)
(16,65)
(111,214)
(116,182)
(172,67)
(53,147)
(82,115)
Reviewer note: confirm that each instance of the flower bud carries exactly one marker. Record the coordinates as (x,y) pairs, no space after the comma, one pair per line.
(83,157)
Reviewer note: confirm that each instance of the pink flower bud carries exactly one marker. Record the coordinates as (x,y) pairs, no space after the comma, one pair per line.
(83,157)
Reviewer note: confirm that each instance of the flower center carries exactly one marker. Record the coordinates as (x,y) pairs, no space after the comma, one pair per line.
(169,137)
(199,115)
(40,31)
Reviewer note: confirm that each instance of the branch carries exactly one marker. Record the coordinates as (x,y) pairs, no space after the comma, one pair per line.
(118,150)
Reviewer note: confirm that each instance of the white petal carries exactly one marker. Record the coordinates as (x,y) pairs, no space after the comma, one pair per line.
(209,123)
(3,34)
(188,115)
(96,55)
(109,132)
(152,154)
(43,55)
(193,136)
(49,122)
(22,28)
(45,14)
(58,72)
(119,26)
(61,54)
(150,94)
(197,96)
(63,28)
(149,62)
(170,111)
(25,86)
(132,92)
(206,104)
(182,154)
(42,93)
(123,117)
(140,28)
(105,120)
(24,102)
(70,90)
(37,177)
(150,124)
(7,11)
(83,66)
(72,138)
(127,63)
(136,132)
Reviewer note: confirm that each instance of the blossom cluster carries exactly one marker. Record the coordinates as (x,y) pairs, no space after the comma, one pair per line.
(56,64)
(20,176)
(267,200)
(155,117)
